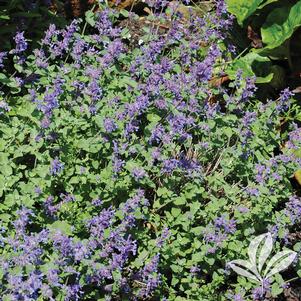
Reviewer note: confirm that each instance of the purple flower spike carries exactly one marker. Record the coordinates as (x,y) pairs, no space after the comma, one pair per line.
(21,44)
(56,167)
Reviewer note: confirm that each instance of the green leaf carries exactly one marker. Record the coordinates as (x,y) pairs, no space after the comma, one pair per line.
(129,81)
(276,290)
(280,25)
(179,200)
(266,3)
(90,18)
(163,191)
(242,9)
(252,64)
(153,117)
(4,17)
(175,212)
(62,226)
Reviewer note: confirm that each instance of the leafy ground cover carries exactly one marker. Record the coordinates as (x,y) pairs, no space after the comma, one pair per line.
(131,171)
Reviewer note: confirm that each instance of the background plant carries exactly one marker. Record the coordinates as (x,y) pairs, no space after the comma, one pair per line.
(270,32)
(32,16)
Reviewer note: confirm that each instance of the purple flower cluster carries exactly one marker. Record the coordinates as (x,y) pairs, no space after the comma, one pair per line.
(56,166)
(284,100)
(2,57)
(106,251)
(293,209)
(150,277)
(260,292)
(21,43)
(216,234)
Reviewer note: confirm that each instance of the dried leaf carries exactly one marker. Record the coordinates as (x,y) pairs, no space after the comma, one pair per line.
(297,176)
(254,37)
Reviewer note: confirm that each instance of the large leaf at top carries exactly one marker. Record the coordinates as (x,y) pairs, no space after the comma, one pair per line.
(252,64)
(280,25)
(242,9)
(266,3)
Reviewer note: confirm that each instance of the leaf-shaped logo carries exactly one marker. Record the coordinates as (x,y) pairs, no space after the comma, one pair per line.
(245,268)
(265,251)
(279,262)
(259,251)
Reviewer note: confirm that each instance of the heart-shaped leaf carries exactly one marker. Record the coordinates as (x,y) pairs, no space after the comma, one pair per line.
(242,9)
(280,25)
(252,64)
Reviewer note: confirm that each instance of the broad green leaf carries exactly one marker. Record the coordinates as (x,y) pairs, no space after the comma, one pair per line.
(252,64)
(266,3)
(280,25)
(62,226)
(4,17)
(242,9)
(153,117)
(276,289)
(90,18)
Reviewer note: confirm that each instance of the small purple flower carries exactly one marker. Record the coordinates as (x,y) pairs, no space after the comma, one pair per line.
(259,293)
(138,173)
(194,270)
(109,125)
(56,166)
(284,98)
(82,170)
(38,190)
(46,291)
(285,285)
(21,44)
(49,34)
(252,191)
(50,208)
(74,292)
(243,209)
(117,164)
(170,165)
(162,239)
(97,202)
(238,297)
(2,57)
(293,208)
(4,106)
(229,225)
(150,276)
(45,122)
(53,277)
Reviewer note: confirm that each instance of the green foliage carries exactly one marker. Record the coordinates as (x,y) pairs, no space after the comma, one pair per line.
(109,145)
(280,25)
(243,9)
